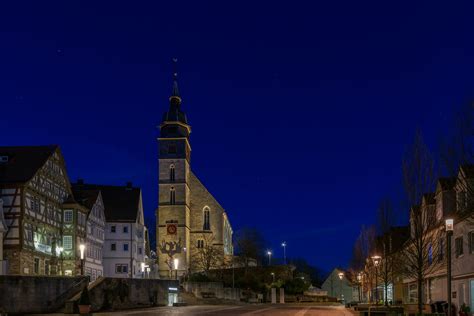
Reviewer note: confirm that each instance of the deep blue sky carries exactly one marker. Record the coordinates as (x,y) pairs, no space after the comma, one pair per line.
(300,111)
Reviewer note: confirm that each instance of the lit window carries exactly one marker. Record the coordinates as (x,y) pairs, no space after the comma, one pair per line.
(67,242)
(206,222)
(68,216)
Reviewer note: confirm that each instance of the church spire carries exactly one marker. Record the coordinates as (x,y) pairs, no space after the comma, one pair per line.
(175,92)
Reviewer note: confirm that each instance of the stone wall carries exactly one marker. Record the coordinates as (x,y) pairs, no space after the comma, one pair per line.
(37,294)
(120,293)
(216,288)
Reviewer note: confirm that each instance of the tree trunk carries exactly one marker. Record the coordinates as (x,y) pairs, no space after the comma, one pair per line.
(420,294)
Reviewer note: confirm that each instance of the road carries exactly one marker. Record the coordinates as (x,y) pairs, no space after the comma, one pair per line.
(257,310)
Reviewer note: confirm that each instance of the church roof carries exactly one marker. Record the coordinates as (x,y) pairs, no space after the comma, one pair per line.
(20,163)
(446,183)
(121,203)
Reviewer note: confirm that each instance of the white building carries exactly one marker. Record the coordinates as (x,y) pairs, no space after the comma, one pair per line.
(125,246)
(95,233)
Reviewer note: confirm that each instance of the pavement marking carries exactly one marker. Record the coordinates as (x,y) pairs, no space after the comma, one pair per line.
(259,311)
(303,311)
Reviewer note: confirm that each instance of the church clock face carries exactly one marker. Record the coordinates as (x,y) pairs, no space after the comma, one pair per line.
(171,229)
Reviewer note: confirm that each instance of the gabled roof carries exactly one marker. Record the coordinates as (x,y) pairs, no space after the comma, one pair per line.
(468,171)
(446,183)
(23,162)
(85,196)
(121,203)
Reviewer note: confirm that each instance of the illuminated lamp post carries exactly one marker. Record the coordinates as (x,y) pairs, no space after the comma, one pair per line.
(449,233)
(283,244)
(359,282)
(341,276)
(269,253)
(176,263)
(376,260)
(82,247)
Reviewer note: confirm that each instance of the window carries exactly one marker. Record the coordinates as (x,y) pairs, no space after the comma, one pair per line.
(125,229)
(458,243)
(172,196)
(67,242)
(140,250)
(200,243)
(172,177)
(441,250)
(207,224)
(46,267)
(121,268)
(471,242)
(430,254)
(113,229)
(68,216)
(113,247)
(36,265)
(125,247)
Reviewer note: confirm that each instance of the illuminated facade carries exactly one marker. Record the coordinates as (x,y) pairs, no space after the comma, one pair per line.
(188,217)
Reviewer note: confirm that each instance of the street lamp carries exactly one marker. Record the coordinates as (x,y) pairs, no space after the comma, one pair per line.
(143,269)
(273,276)
(376,260)
(359,282)
(283,244)
(269,253)
(449,233)
(59,253)
(82,247)
(341,276)
(176,263)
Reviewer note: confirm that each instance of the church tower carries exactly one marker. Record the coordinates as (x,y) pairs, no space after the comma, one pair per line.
(173,213)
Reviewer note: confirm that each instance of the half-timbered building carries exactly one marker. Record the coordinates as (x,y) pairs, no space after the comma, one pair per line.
(95,235)
(33,185)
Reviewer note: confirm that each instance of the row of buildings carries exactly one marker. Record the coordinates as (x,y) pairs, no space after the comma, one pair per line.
(47,221)
(408,265)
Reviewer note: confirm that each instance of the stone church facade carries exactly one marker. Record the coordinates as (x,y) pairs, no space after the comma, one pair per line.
(190,221)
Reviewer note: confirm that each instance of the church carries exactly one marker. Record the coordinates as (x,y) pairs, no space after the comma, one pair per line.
(193,231)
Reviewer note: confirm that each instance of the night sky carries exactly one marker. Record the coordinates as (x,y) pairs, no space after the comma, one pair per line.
(301,111)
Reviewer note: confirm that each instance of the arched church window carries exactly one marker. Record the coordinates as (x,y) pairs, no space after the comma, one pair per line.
(172,177)
(172,196)
(207,220)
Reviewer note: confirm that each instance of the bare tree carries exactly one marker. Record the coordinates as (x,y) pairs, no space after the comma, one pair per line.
(250,245)
(457,156)
(363,247)
(206,257)
(419,178)
(386,221)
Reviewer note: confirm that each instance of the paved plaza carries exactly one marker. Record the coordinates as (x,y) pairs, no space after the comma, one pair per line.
(264,309)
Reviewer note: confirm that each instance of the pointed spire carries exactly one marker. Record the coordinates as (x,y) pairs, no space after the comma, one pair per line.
(175,91)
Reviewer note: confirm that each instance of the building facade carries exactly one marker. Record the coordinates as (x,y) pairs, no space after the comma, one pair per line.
(95,229)
(33,186)
(125,245)
(188,217)
(3,230)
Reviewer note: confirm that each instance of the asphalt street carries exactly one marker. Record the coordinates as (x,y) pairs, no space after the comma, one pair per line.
(277,310)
